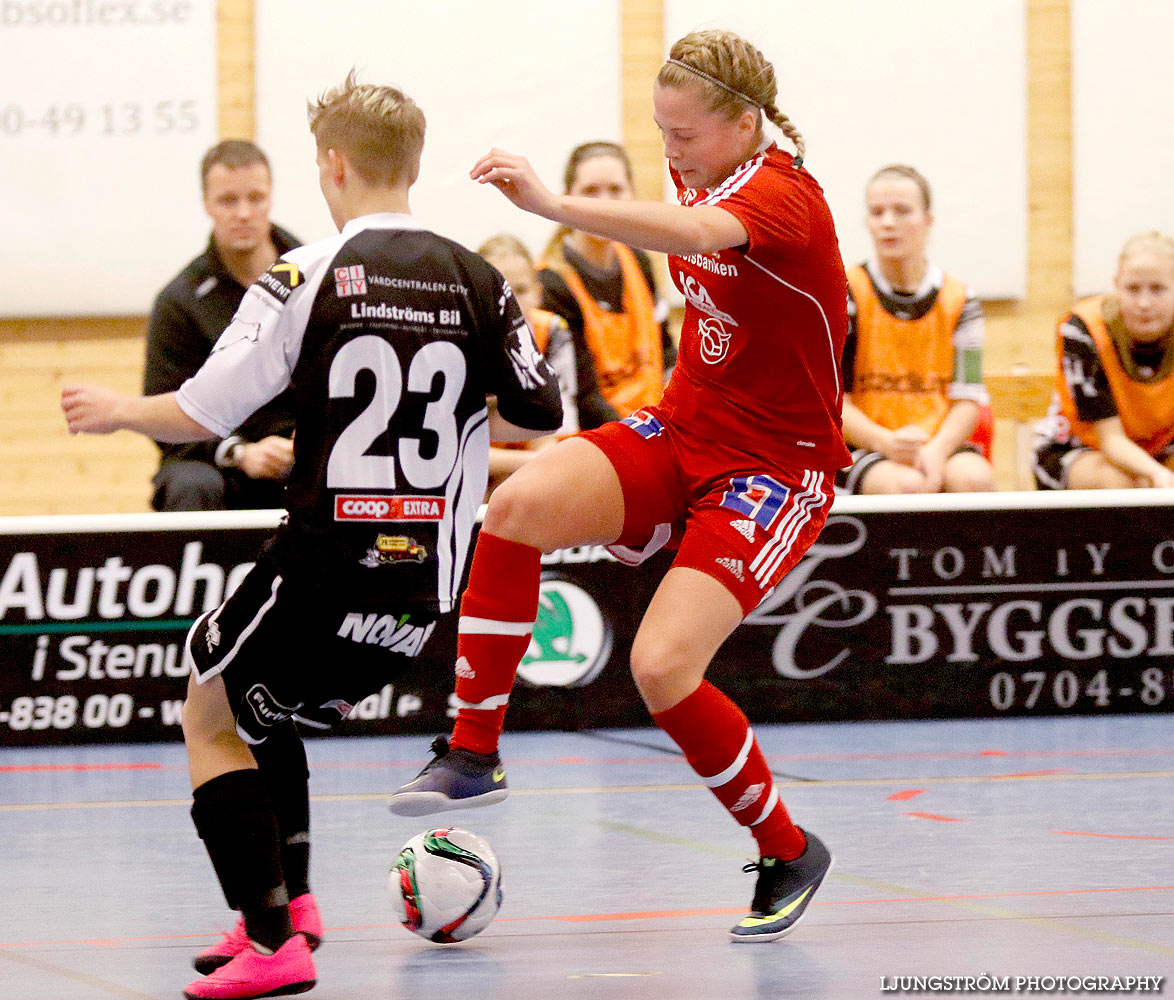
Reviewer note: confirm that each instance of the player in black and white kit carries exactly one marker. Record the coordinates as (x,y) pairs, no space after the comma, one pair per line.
(406,353)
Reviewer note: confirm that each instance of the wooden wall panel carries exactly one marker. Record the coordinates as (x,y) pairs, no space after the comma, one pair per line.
(1020,334)
(236,65)
(46,471)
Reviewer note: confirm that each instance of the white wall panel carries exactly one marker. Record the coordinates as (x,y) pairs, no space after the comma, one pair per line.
(939,84)
(1122,130)
(532,77)
(105,111)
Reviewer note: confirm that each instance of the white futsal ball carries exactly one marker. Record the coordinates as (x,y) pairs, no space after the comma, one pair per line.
(446,884)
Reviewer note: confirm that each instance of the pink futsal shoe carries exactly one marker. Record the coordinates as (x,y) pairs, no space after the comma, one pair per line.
(288,970)
(303,912)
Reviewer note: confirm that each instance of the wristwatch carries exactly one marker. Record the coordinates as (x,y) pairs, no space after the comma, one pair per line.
(228,452)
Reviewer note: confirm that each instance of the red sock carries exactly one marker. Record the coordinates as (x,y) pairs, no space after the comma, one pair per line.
(497,616)
(721,747)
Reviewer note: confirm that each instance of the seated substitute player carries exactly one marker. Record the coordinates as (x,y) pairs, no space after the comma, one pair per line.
(608,290)
(393,339)
(913,391)
(735,464)
(1111,422)
(509,255)
(247,469)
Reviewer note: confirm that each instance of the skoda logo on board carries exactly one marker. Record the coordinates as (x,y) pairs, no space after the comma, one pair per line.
(571,642)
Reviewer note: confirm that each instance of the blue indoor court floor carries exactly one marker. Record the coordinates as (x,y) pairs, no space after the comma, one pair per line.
(1009,848)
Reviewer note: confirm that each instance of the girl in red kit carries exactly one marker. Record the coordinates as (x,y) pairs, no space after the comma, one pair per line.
(734,465)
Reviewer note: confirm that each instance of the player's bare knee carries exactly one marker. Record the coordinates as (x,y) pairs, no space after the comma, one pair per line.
(517,512)
(906,480)
(972,480)
(657,663)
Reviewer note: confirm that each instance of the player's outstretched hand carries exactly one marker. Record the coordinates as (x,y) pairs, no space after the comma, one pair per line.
(90,409)
(515,178)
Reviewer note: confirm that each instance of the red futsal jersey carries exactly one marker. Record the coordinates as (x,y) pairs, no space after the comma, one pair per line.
(765,323)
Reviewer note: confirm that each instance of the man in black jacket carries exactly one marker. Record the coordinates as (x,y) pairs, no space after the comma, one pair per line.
(247,469)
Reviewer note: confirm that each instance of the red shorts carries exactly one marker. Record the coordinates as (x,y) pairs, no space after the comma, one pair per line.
(730,518)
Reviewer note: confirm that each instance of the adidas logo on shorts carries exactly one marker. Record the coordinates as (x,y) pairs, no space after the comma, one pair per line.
(749,797)
(463,669)
(733,565)
(744,528)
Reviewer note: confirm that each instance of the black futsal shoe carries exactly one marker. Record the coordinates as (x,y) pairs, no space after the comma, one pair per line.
(783,890)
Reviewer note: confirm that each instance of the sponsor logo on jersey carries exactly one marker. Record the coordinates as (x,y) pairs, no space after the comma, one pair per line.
(280,280)
(715,340)
(527,360)
(402,314)
(699,297)
(395,634)
(733,565)
(390,550)
(238,331)
(417,285)
(357,507)
(340,706)
(749,797)
(907,382)
(212,638)
(267,709)
(744,528)
(571,642)
(709,262)
(350,281)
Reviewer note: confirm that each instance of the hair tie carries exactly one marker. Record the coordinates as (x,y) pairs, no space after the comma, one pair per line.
(716,82)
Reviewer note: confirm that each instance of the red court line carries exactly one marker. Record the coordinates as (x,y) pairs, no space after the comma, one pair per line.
(1035,774)
(934,816)
(34,768)
(581,918)
(1110,836)
(905,796)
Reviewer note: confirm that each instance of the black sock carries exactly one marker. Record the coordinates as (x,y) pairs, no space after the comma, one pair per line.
(282,762)
(269,926)
(234,817)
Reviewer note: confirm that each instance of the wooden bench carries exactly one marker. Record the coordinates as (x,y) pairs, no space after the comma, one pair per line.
(1018,401)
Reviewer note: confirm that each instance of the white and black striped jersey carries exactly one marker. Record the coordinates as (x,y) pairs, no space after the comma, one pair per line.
(390,337)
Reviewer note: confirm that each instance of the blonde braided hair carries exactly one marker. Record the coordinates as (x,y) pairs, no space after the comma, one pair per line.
(735,74)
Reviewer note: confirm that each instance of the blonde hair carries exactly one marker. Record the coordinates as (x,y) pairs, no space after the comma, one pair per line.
(379,128)
(505,245)
(1151,242)
(910,174)
(734,74)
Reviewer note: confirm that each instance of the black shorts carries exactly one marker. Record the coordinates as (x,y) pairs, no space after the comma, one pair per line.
(1052,460)
(287,651)
(1050,463)
(848,479)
